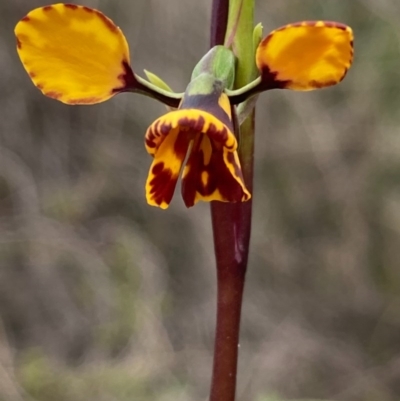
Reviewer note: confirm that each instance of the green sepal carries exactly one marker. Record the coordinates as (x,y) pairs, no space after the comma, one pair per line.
(157,81)
(257,36)
(147,88)
(204,84)
(219,62)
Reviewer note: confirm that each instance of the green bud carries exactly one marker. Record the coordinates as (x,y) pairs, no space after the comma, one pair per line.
(219,62)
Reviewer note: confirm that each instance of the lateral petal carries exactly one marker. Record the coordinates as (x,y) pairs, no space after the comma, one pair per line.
(306,55)
(74,54)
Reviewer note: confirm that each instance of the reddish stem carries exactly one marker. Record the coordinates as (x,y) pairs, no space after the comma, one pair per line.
(231,224)
(231,227)
(219,22)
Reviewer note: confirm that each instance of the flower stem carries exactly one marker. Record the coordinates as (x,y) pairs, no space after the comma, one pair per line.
(219,21)
(231,222)
(231,227)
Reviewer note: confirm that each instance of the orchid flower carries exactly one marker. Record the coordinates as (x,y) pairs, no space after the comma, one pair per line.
(78,56)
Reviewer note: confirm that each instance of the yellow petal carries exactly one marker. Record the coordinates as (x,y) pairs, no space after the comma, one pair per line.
(73,53)
(192,121)
(165,169)
(306,55)
(212,173)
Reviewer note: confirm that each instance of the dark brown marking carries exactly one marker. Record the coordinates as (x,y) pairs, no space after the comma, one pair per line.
(53,95)
(71,6)
(329,24)
(157,168)
(163,184)
(85,100)
(332,24)
(107,22)
(181,145)
(39,86)
(150,142)
(32,74)
(47,8)
(282,28)
(87,9)
(344,74)
(150,138)
(208,103)
(316,84)
(155,132)
(300,23)
(219,176)
(191,183)
(269,80)
(266,40)
(195,125)
(19,44)
(164,129)
(305,23)
(219,136)
(129,82)
(227,184)
(26,19)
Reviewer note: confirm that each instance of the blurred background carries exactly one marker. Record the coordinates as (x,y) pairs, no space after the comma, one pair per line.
(105,298)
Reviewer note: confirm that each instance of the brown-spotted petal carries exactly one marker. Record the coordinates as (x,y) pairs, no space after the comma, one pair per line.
(306,55)
(168,140)
(191,122)
(212,173)
(74,54)
(165,169)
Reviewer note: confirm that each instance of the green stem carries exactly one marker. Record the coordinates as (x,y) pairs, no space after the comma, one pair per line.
(170,98)
(136,84)
(232,221)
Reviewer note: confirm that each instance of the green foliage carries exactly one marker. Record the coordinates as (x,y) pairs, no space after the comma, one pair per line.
(44,380)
